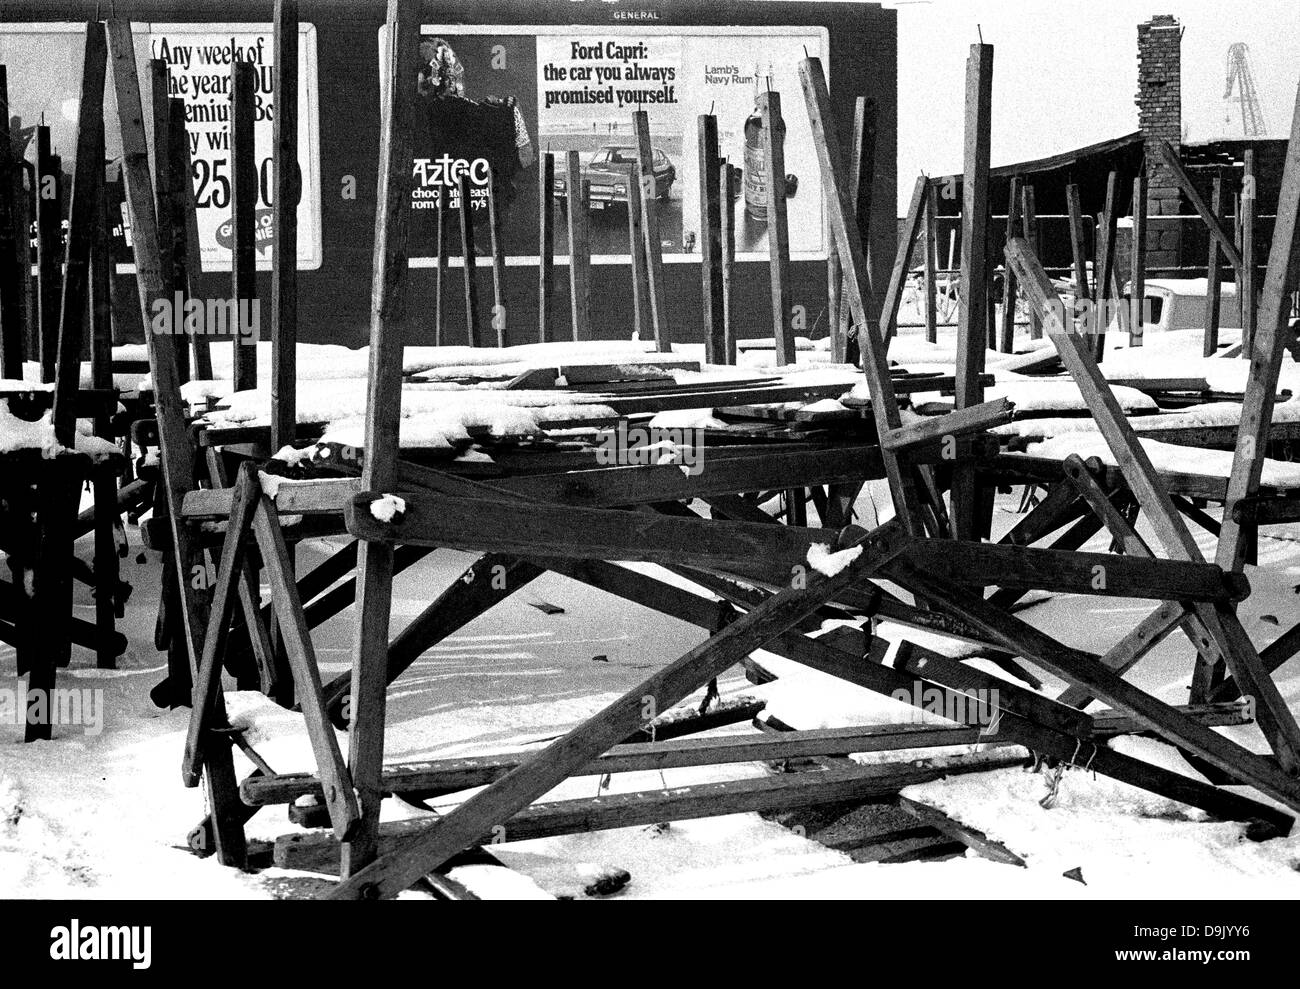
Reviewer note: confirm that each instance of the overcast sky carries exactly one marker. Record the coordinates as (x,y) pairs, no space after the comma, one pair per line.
(1065,72)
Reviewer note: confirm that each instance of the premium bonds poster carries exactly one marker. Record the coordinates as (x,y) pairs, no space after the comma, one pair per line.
(492,104)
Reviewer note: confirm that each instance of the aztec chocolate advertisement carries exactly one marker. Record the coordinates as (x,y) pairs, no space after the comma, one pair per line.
(494,103)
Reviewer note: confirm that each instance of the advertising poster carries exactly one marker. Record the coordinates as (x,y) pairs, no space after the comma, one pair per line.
(493,104)
(199,58)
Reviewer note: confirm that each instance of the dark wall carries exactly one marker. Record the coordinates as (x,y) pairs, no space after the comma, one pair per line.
(334,300)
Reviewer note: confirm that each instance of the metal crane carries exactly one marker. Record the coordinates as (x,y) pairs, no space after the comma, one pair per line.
(1253,123)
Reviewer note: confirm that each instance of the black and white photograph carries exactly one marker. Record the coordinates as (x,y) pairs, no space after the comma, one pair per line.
(726,450)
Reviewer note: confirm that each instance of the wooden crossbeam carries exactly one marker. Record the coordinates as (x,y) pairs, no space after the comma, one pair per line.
(467,823)
(972,419)
(578,533)
(1275,718)
(1213,223)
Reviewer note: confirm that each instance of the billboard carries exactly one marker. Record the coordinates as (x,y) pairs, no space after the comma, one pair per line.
(507,96)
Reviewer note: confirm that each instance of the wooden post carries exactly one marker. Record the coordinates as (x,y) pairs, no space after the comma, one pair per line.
(650,232)
(84,211)
(174,440)
(383,411)
(862,176)
(1078,246)
(1006,339)
(931,263)
(496,231)
(1246,280)
(902,258)
(284,228)
(49,250)
(1105,266)
(579,247)
(178,211)
(778,227)
(469,261)
(1212,278)
(546,250)
(727,174)
(1138,268)
(1029,220)
(105,478)
(13,263)
(711,209)
(243,213)
(440,271)
(193,249)
(974,272)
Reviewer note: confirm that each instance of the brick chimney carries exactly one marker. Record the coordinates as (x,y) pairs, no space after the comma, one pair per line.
(1160,116)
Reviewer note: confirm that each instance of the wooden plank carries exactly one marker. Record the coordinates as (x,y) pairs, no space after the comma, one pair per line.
(1135,644)
(778,225)
(1078,247)
(862,177)
(497,233)
(1104,268)
(13,249)
(287,181)
(712,206)
(931,262)
(243,215)
(1275,718)
(973,419)
(49,251)
(1246,276)
(440,269)
(657,292)
(1029,221)
(579,246)
(335,780)
(388,316)
(178,214)
(207,684)
(546,249)
(469,261)
(193,253)
(884,404)
(1138,260)
(727,177)
(977,841)
(1007,337)
(973,305)
(1272,336)
(578,533)
(898,275)
(621,810)
(84,214)
(177,454)
(468,822)
(1212,276)
(1213,223)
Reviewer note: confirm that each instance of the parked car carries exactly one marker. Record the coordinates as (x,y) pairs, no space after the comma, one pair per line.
(611,169)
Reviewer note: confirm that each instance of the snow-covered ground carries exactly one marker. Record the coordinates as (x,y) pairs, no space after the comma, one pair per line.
(105,814)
